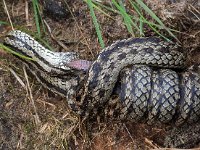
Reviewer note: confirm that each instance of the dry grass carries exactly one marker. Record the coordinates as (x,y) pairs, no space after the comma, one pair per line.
(34,118)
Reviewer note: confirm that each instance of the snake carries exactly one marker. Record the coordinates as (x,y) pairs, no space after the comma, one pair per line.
(136,79)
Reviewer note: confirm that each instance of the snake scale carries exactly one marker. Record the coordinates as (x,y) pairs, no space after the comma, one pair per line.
(147,75)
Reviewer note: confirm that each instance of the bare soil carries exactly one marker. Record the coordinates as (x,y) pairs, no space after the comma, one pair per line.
(32,117)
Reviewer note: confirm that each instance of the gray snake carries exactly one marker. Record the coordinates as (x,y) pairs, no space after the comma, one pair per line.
(146,74)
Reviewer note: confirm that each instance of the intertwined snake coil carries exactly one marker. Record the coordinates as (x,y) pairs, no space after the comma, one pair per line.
(145,74)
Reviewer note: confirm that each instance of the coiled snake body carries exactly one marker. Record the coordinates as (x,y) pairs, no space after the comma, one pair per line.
(145,73)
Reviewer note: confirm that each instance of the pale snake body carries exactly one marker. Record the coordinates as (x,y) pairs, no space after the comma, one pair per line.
(149,87)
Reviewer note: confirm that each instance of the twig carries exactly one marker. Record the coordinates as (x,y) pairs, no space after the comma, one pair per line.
(44,103)
(52,36)
(149,142)
(37,119)
(196,15)
(128,132)
(27,14)
(6,9)
(17,77)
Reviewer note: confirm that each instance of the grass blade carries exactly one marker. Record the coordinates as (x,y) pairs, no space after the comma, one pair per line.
(7,49)
(3,23)
(36,16)
(141,26)
(153,15)
(127,19)
(96,4)
(96,24)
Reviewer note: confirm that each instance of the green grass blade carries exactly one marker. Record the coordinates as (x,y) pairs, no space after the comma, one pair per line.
(114,11)
(96,24)
(156,31)
(105,7)
(141,17)
(7,49)
(153,15)
(36,16)
(127,19)
(39,17)
(141,26)
(98,6)
(3,23)
(152,23)
(150,12)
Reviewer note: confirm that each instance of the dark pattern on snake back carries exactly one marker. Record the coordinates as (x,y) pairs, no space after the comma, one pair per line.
(147,73)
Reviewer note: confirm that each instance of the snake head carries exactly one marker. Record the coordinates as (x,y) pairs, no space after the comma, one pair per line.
(46,60)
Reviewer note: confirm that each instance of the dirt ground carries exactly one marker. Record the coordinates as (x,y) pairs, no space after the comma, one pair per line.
(32,117)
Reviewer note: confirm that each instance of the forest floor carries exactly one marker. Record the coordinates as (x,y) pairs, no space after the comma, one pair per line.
(32,117)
